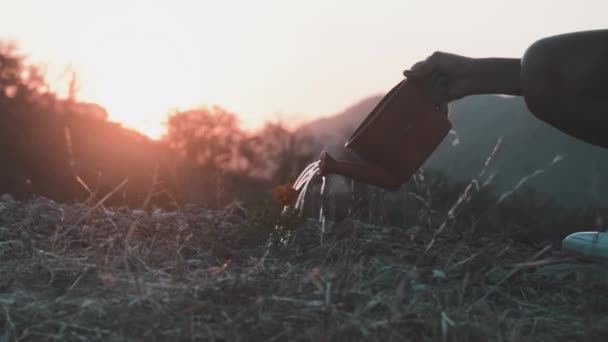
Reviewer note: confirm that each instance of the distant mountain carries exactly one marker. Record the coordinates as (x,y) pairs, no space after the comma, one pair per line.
(527,146)
(332,131)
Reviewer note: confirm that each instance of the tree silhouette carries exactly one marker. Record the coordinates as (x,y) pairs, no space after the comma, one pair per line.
(205,137)
(207,143)
(286,153)
(33,155)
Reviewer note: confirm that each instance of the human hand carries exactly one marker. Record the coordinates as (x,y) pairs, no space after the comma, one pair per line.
(450,76)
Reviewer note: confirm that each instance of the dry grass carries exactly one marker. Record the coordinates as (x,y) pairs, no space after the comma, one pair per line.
(198,274)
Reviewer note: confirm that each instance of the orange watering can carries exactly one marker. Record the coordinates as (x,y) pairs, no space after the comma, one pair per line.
(394,140)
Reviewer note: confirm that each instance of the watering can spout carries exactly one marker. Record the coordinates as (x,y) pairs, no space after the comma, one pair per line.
(364,172)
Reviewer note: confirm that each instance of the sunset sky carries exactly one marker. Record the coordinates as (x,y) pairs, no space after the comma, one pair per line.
(262,58)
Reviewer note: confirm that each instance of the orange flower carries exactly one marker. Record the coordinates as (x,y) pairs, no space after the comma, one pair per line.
(284,194)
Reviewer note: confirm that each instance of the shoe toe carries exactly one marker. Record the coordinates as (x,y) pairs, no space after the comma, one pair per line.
(593,244)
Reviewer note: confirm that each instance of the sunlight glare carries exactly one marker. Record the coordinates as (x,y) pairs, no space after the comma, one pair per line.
(142,70)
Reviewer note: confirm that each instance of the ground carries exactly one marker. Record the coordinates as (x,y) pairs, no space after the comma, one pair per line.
(85,272)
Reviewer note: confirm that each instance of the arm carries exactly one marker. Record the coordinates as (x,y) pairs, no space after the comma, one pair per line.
(496,76)
(454,77)
(564,80)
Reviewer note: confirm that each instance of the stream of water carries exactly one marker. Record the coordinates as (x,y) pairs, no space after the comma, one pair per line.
(301,185)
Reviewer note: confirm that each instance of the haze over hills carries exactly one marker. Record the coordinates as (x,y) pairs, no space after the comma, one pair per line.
(527,146)
(337,126)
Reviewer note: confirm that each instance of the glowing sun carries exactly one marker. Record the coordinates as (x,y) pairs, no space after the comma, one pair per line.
(139,72)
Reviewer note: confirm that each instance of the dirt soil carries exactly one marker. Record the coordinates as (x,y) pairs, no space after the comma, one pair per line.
(75,272)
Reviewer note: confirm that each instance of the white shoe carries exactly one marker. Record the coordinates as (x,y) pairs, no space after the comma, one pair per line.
(591,244)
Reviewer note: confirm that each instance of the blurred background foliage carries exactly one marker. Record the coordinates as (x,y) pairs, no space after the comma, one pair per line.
(67,150)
